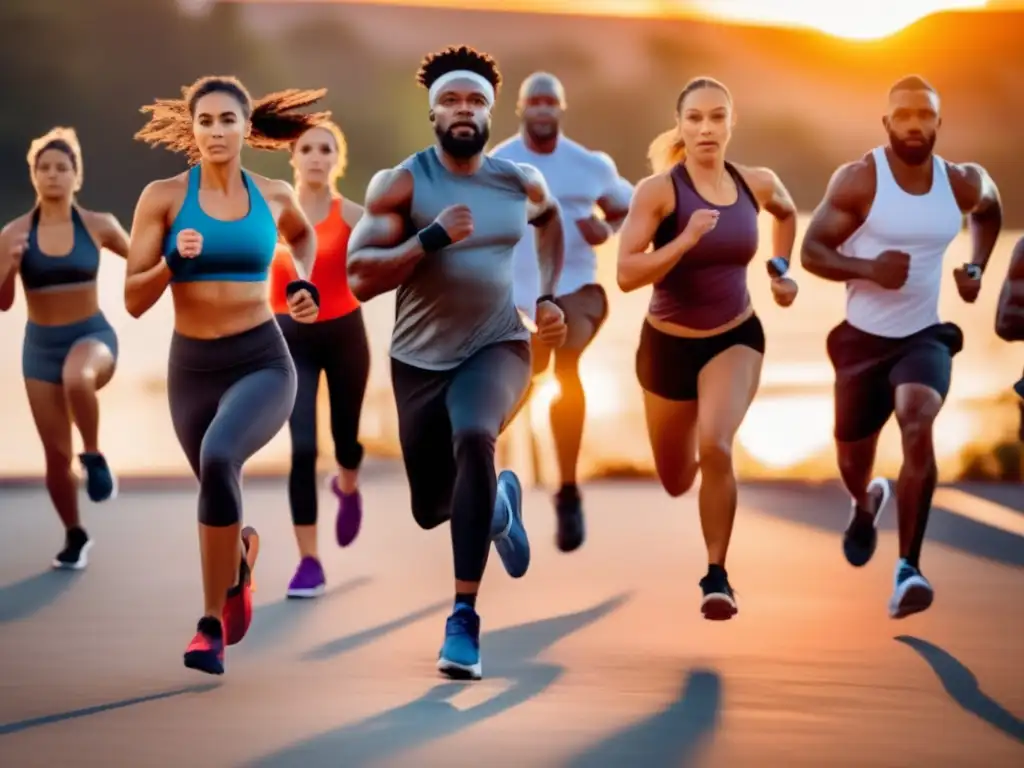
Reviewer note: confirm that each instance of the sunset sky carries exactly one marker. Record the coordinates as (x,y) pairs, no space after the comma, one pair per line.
(864,20)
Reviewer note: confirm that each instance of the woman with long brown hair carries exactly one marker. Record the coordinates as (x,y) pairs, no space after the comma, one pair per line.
(702,344)
(210,234)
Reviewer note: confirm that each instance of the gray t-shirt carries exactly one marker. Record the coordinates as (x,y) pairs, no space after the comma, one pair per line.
(460,299)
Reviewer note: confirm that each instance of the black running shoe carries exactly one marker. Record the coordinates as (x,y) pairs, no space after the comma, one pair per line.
(75,555)
(569,511)
(719,603)
(861,536)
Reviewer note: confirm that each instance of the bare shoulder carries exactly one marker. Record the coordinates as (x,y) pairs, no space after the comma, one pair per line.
(278,190)
(389,190)
(164,192)
(351,211)
(971,184)
(972,174)
(99,221)
(656,194)
(852,186)
(761,180)
(18,227)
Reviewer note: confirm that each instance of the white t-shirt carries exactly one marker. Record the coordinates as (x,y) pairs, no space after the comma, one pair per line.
(921,225)
(577,177)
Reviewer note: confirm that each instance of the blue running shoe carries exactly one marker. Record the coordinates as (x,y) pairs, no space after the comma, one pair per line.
(507,531)
(911,592)
(100,483)
(460,655)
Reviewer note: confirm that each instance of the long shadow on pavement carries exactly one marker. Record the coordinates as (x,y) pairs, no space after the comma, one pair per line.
(509,653)
(35,722)
(28,596)
(828,508)
(671,738)
(351,642)
(271,622)
(962,686)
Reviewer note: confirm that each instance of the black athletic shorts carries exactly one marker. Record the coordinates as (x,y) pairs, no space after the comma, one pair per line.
(668,366)
(869,368)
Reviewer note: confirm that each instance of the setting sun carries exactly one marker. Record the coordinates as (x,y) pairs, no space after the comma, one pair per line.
(869,20)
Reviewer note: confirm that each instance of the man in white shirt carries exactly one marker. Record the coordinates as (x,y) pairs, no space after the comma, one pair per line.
(883,229)
(581,181)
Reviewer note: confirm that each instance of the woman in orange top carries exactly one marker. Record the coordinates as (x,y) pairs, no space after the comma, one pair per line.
(335,344)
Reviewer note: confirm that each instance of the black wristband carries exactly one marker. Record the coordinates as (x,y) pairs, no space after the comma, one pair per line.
(777,266)
(546,297)
(302,285)
(433,238)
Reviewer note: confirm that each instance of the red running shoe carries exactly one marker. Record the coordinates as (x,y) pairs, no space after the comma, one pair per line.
(238,607)
(206,651)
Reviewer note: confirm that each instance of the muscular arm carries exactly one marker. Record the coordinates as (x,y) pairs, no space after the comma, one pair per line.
(835,219)
(380,258)
(147,272)
(112,236)
(1010,311)
(295,229)
(773,197)
(978,197)
(546,218)
(652,201)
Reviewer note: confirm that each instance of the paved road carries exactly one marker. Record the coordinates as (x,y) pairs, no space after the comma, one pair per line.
(598,658)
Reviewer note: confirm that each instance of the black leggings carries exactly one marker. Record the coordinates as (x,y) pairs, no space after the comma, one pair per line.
(448,422)
(340,350)
(228,397)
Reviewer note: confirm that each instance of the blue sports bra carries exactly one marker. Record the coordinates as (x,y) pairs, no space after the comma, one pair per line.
(40,272)
(237,251)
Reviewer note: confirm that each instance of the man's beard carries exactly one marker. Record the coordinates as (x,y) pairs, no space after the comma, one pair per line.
(543,131)
(460,147)
(912,154)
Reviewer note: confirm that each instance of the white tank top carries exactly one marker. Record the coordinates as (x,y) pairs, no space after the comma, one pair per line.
(921,225)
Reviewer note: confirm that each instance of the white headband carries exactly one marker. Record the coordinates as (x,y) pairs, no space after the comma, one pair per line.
(461,74)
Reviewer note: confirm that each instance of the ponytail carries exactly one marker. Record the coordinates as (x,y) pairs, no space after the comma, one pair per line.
(275,123)
(666,151)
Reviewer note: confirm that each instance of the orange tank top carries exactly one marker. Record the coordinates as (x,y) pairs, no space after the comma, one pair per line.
(336,298)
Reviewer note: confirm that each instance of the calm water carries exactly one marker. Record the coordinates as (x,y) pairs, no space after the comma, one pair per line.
(787,432)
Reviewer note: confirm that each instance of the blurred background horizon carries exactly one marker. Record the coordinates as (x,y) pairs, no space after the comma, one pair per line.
(810,90)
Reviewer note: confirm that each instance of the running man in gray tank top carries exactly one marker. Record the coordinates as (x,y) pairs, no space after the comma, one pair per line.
(460,354)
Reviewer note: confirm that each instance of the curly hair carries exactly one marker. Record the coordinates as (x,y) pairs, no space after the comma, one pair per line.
(64,140)
(275,124)
(435,65)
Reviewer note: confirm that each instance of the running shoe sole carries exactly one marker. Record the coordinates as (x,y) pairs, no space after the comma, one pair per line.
(80,564)
(915,599)
(718,607)
(455,671)
(303,594)
(204,661)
